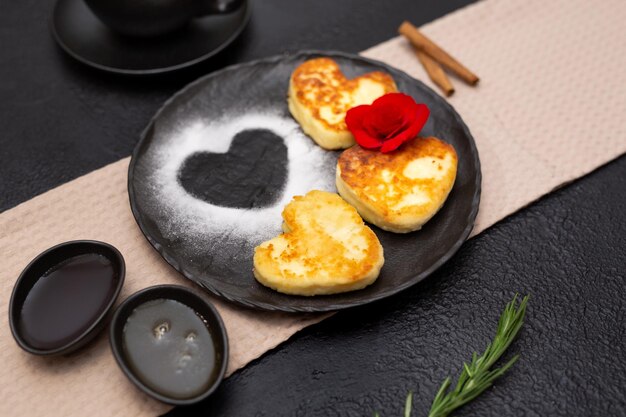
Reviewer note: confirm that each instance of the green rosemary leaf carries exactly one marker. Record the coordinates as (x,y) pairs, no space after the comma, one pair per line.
(408,405)
(477,376)
(442,390)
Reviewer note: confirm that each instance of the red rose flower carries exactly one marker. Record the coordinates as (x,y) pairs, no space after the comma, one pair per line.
(388,122)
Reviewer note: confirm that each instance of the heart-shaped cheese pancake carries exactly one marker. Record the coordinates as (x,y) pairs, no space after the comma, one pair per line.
(325,249)
(320,95)
(401,190)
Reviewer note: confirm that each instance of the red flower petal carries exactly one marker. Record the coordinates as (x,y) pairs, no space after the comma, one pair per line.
(391,145)
(422,112)
(420,116)
(356,115)
(388,122)
(367,141)
(405,124)
(355,118)
(387,115)
(394,99)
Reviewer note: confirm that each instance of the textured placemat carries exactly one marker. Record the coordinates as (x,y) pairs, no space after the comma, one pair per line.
(548,110)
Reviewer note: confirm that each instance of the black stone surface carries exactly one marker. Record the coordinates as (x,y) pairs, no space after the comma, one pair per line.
(60,120)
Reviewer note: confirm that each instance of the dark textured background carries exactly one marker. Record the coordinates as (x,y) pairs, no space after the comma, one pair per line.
(59,120)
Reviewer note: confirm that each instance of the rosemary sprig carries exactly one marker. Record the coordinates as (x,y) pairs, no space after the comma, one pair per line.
(477,376)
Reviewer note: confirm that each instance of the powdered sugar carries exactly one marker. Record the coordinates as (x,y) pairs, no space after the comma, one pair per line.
(309,167)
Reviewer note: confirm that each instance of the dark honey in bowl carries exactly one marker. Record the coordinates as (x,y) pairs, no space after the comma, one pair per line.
(170,348)
(66,300)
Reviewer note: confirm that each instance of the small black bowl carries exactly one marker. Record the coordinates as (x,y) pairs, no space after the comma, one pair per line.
(43,263)
(185,296)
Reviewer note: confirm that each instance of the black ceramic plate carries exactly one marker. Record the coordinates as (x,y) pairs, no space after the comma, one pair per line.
(215,166)
(81,34)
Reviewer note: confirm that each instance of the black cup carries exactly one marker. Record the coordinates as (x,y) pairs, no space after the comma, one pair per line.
(145,18)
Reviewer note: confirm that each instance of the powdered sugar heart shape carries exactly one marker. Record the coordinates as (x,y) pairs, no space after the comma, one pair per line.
(251,174)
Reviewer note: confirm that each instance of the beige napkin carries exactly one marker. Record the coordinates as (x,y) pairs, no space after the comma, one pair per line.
(549,108)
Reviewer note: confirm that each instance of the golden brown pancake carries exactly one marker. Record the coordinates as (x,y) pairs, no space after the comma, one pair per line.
(325,249)
(398,191)
(320,95)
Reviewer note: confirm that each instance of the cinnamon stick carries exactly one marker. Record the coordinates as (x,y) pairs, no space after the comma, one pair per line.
(424,44)
(435,72)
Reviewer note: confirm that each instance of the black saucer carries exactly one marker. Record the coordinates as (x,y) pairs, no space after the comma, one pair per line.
(79,32)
